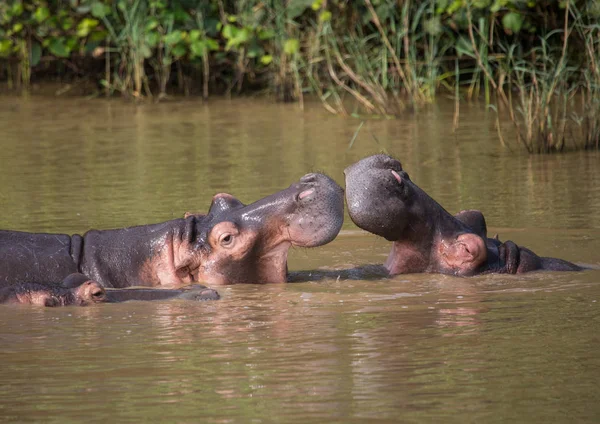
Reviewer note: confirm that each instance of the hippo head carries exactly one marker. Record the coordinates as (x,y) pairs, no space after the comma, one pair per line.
(82,291)
(237,243)
(383,200)
(88,293)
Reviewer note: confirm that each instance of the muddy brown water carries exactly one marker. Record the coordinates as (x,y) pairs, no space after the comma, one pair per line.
(342,344)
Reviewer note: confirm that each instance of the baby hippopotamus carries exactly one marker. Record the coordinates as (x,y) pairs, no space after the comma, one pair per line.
(86,293)
(77,289)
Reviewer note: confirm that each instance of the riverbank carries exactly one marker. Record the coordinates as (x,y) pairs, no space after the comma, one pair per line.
(538,62)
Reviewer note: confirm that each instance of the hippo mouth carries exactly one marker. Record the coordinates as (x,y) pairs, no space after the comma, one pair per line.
(318,212)
(188,274)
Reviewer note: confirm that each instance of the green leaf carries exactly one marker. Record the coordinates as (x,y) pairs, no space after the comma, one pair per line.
(291,46)
(325,16)
(179,50)
(180,15)
(496,6)
(41,13)
(86,26)
(17,27)
(481,4)
(456,5)
(195,35)
(67,24)
(266,59)
(173,37)
(230,31)
(100,10)
(71,43)
(197,48)
(212,44)
(238,37)
(35,54)
(5,47)
(151,24)
(296,8)
(464,47)
(16,9)
(440,6)
(98,36)
(152,39)
(58,47)
(266,34)
(512,22)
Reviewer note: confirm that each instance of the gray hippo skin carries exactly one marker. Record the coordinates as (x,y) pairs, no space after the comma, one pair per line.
(232,243)
(383,200)
(79,290)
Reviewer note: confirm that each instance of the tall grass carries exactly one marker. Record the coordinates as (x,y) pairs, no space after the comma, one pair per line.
(552,102)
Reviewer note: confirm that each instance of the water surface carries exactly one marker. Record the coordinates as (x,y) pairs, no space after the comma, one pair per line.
(341,343)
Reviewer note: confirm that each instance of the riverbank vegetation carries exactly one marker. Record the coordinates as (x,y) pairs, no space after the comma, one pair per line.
(536,62)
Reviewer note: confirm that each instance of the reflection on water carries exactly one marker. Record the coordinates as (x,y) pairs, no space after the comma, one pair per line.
(342,343)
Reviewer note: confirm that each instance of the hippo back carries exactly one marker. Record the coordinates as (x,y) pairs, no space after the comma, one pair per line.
(44,258)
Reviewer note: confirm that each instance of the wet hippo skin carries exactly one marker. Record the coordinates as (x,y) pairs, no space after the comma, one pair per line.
(232,243)
(383,200)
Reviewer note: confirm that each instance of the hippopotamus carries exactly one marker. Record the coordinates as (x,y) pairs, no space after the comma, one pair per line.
(383,200)
(232,243)
(77,289)
(83,294)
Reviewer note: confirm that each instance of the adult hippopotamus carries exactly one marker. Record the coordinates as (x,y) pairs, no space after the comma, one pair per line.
(232,243)
(383,200)
(77,289)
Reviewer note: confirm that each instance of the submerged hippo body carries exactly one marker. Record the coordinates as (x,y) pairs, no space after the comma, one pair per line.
(383,200)
(79,290)
(232,243)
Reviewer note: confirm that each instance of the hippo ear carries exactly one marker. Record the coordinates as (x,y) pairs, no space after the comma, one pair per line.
(74,280)
(222,202)
(465,254)
(196,214)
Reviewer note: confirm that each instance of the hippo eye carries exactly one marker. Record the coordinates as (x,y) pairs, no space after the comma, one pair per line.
(98,294)
(226,239)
